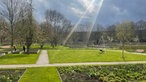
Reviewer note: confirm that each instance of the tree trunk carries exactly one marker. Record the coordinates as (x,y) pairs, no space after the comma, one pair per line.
(123,45)
(28,47)
(12,34)
(1,41)
(12,41)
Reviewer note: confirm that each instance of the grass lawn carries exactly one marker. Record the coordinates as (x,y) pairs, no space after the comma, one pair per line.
(19,59)
(68,56)
(41,75)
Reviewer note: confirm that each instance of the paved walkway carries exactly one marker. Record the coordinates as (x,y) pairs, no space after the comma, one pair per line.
(71,64)
(43,58)
(137,53)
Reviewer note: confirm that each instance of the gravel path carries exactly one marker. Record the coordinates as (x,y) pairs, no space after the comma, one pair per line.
(43,58)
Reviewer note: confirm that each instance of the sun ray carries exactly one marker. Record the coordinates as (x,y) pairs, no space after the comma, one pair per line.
(94,20)
(76,25)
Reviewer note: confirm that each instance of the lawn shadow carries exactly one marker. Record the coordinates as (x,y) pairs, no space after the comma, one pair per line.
(124,59)
(100,54)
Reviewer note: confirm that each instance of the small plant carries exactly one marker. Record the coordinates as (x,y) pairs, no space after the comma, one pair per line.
(113,73)
(10,75)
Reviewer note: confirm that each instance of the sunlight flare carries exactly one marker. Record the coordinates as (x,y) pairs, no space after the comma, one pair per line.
(76,25)
(94,20)
(91,26)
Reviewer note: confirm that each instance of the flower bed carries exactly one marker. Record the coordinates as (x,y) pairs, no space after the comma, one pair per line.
(12,75)
(3,52)
(113,73)
(32,51)
(15,52)
(6,51)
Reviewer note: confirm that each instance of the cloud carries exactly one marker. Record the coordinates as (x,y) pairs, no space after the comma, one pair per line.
(112,11)
(77,11)
(88,4)
(118,10)
(72,9)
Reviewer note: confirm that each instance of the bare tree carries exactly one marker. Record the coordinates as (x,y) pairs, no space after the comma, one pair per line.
(22,23)
(124,32)
(29,34)
(59,25)
(26,26)
(10,10)
(46,32)
(3,32)
(140,28)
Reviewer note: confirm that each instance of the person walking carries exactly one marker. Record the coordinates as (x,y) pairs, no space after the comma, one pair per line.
(24,48)
(14,48)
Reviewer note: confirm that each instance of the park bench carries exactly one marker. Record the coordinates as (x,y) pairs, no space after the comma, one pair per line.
(140,50)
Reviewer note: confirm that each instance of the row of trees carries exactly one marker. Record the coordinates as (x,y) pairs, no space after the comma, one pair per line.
(17,21)
(125,32)
(55,27)
(139,29)
(18,25)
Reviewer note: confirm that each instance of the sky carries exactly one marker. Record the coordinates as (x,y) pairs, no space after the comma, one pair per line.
(110,12)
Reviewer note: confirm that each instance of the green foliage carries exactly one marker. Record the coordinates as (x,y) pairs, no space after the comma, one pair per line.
(111,73)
